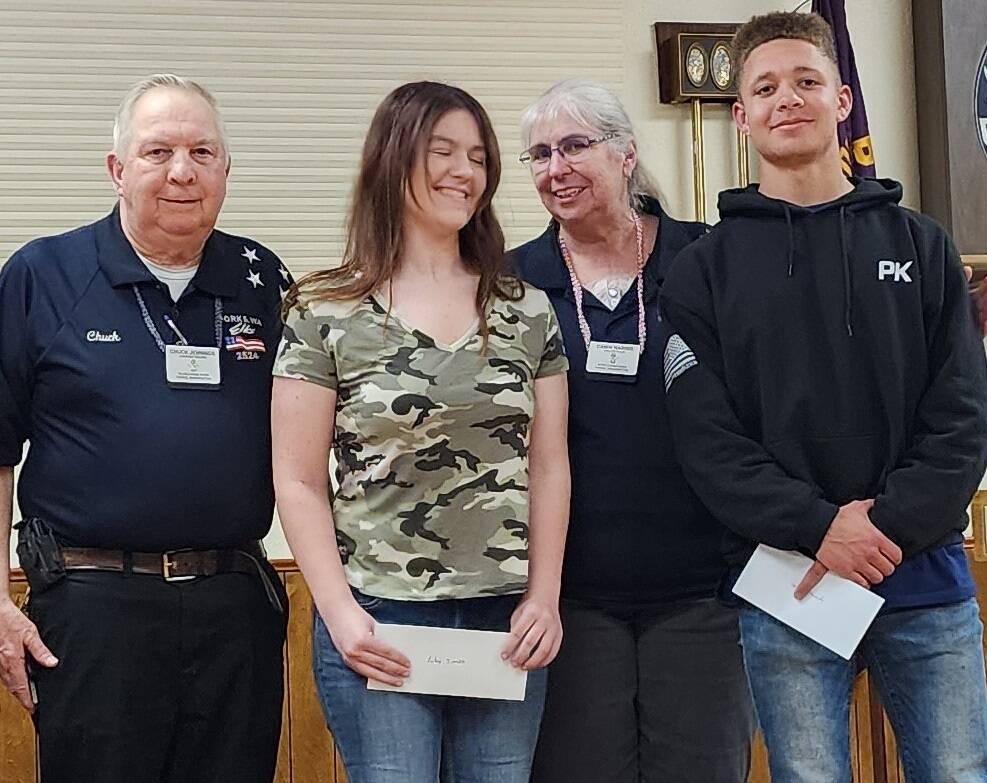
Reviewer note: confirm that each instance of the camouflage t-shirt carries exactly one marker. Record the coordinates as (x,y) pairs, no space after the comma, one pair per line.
(431,442)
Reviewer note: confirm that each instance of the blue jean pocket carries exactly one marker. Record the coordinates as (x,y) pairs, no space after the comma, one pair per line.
(366,602)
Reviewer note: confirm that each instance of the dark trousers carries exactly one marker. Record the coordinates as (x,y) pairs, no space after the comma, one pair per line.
(159,682)
(655,695)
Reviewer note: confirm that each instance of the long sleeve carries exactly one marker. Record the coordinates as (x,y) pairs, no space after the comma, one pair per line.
(737,479)
(925,495)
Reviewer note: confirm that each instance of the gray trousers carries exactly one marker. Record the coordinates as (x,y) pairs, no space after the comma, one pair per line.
(656,695)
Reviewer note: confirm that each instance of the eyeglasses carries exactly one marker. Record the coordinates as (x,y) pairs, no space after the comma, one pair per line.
(570,148)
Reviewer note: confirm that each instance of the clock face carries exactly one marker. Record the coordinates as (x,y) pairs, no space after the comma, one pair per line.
(721,66)
(695,65)
(980,101)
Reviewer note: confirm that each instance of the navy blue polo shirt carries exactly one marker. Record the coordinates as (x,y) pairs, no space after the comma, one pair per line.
(638,535)
(118,458)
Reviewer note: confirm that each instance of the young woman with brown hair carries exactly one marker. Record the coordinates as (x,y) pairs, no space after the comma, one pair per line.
(438,381)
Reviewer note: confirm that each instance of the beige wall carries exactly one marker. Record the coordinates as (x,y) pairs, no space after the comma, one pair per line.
(881,30)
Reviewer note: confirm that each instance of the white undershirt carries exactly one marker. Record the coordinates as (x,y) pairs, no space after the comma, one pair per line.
(177,280)
(610,290)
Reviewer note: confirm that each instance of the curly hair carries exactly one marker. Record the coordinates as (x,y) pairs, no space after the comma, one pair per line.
(781,24)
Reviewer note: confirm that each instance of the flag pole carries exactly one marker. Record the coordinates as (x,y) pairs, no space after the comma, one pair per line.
(698,160)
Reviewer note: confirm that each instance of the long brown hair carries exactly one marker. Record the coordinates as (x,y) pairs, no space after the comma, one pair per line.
(398,135)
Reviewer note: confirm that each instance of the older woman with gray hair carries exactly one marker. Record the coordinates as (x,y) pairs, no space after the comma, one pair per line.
(649,686)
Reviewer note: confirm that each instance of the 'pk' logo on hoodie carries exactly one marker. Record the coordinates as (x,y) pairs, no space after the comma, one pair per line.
(891,269)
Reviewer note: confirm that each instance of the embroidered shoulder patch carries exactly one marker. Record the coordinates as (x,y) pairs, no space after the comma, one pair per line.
(678,358)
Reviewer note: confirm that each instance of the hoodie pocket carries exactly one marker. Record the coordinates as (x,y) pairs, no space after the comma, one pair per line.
(841,467)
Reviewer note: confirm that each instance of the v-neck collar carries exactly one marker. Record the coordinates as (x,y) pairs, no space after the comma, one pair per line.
(381,302)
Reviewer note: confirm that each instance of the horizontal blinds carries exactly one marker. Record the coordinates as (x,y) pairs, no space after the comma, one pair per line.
(297,83)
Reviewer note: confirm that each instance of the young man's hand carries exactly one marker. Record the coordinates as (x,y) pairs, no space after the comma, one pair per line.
(854,549)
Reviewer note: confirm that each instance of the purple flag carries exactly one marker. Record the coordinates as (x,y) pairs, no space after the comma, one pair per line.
(855,145)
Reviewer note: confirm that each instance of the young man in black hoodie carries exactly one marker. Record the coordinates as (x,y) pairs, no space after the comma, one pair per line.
(828,394)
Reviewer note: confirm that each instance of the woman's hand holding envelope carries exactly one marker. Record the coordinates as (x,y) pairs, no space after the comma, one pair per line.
(352,632)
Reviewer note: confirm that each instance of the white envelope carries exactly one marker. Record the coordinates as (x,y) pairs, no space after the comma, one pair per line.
(837,613)
(453,662)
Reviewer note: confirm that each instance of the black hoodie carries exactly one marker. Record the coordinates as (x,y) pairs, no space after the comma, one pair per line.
(826,354)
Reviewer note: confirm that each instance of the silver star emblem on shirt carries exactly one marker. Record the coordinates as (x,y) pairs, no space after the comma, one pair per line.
(254,279)
(284,273)
(250,254)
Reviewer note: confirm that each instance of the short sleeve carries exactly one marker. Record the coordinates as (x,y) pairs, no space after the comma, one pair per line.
(553,358)
(306,352)
(16,364)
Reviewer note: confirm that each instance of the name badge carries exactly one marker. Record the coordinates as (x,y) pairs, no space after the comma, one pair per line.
(192,367)
(612,358)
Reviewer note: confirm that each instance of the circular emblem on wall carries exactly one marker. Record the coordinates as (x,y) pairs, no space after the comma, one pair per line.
(721,66)
(695,65)
(980,101)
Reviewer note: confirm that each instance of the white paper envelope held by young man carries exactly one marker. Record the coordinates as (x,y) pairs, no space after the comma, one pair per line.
(453,662)
(837,613)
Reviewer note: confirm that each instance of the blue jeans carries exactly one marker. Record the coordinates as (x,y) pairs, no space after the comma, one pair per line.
(387,737)
(928,665)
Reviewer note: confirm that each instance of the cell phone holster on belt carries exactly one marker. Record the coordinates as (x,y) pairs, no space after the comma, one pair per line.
(39,553)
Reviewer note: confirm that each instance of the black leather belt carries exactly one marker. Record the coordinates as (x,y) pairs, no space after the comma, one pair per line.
(176,565)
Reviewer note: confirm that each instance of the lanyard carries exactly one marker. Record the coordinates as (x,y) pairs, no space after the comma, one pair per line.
(153,330)
(577,288)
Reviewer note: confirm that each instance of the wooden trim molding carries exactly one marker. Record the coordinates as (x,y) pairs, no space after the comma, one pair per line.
(307,752)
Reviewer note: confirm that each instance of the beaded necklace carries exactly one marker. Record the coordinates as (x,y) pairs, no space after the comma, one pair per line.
(577,288)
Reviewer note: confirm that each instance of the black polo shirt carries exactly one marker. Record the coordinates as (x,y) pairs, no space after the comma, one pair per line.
(637,532)
(117,457)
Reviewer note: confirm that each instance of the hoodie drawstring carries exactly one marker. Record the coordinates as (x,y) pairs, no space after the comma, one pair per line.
(847,282)
(844,257)
(791,239)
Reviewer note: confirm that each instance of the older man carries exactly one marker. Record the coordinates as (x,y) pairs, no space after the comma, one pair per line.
(135,356)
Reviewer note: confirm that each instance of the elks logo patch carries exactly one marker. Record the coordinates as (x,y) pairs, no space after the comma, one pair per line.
(894,270)
(678,358)
(241,340)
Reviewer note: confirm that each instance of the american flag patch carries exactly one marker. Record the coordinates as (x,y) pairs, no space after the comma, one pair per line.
(240,343)
(678,358)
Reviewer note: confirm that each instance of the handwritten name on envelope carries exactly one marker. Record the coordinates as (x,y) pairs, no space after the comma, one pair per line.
(837,613)
(453,662)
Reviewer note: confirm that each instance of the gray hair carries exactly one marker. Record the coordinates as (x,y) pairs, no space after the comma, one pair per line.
(596,106)
(125,112)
